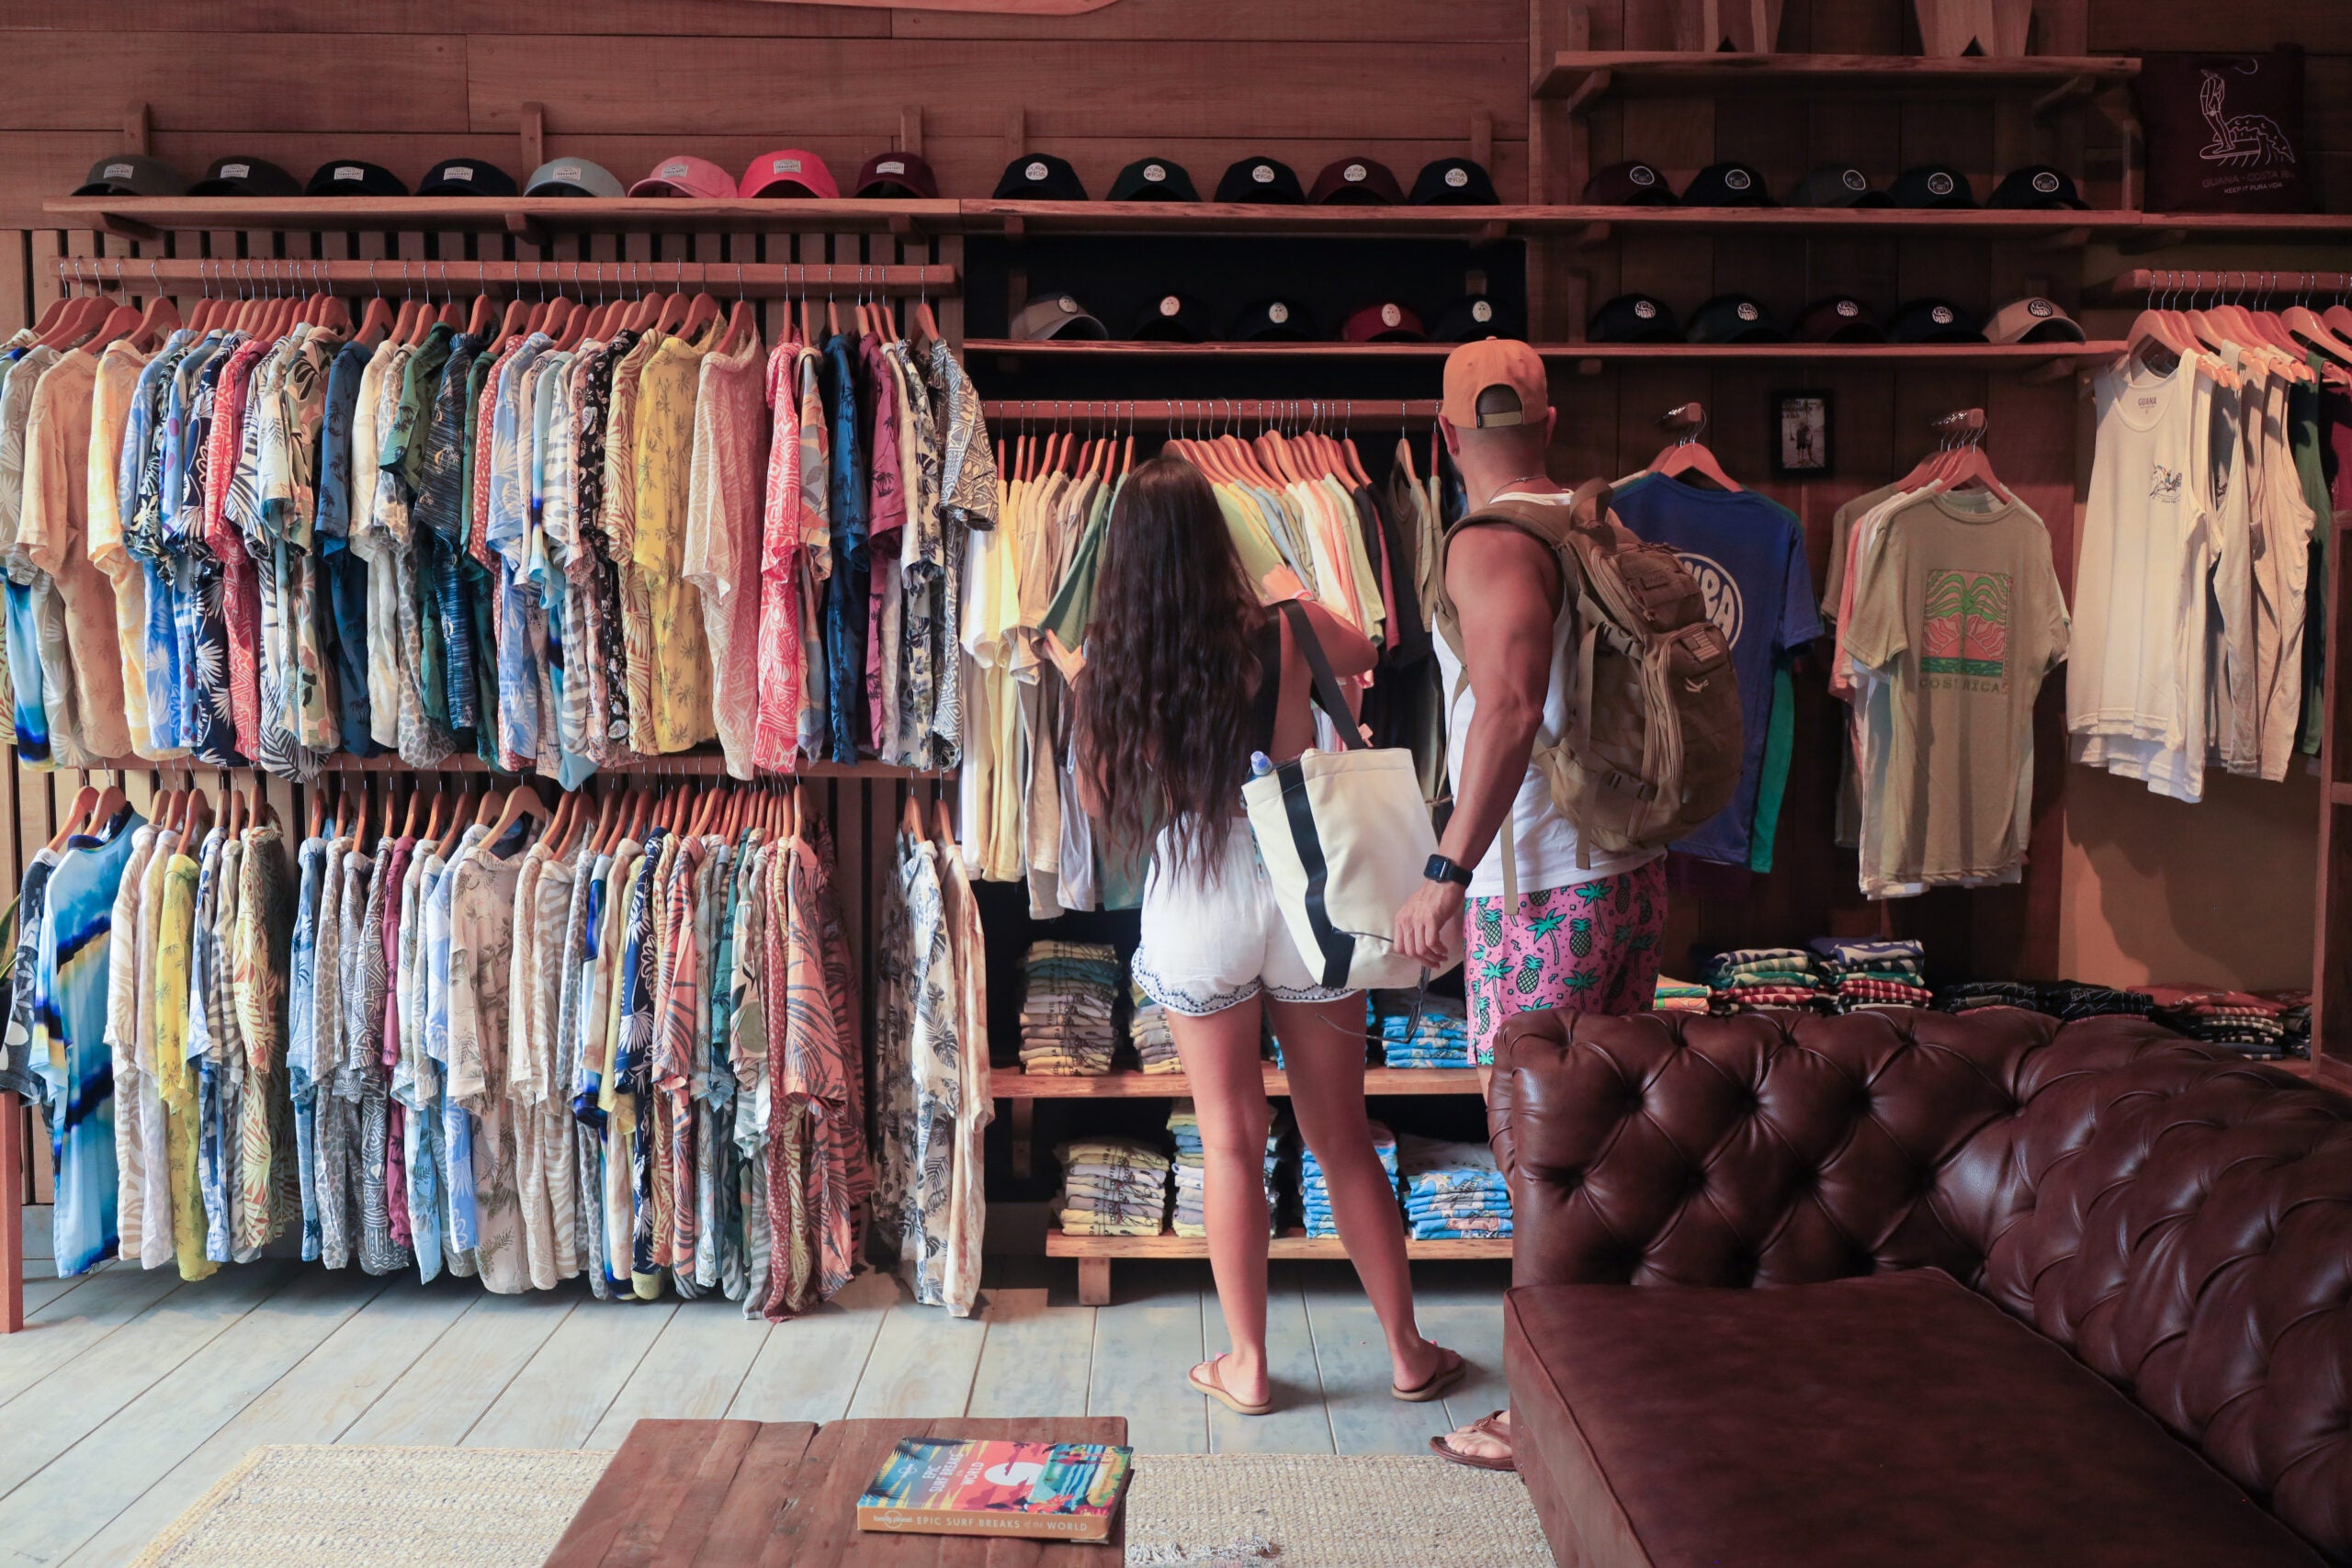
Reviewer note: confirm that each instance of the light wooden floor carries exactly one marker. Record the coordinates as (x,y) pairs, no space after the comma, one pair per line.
(130,1393)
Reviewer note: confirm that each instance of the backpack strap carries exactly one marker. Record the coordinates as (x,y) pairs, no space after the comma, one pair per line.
(1327,694)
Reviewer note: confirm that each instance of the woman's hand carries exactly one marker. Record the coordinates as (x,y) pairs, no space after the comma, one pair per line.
(1434,908)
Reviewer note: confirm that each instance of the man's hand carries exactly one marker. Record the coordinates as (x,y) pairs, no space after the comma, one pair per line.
(1432,910)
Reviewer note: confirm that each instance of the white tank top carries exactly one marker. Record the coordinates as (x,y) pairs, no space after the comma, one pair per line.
(1543,840)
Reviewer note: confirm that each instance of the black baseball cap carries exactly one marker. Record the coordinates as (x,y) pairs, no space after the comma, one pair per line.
(1932,184)
(1271,321)
(1838,185)
(896,176)
(1629,184)
(1635,318)
(2036,185)
(466,177)
(1839,318)
(132,173)
(1040,176)
(246,177)
(1474,316)
(1154,179)
(1172,318)
(1453,182)
(1262,180)
(348,176)
(1727,185)
(1932,321)
(1735,318)
(1359,181)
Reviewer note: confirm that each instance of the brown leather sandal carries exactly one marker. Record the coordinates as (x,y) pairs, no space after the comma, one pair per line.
(1212,1385)
(1486,1426)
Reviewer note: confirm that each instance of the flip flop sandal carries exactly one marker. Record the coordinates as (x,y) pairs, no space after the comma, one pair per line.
(1434,1386)
(1486,1426)
(1215,1389)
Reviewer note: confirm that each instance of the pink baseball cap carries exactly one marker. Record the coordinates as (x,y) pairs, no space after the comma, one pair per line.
(791,171)
(686,177)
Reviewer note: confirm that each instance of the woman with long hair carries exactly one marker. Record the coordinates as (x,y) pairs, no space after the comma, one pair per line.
(1186,675)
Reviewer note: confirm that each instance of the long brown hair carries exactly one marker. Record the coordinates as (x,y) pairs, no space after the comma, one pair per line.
(1164,705)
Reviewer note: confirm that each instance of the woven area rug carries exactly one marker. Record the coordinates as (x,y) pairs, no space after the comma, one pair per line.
(399,1507)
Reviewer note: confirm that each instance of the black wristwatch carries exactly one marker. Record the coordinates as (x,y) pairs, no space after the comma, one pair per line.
(1441,869)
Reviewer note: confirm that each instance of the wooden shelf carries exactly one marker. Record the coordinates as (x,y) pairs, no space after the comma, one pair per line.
(1011,1083)
(1095,1253)
(140,217)
(1585,77)
(1986,356)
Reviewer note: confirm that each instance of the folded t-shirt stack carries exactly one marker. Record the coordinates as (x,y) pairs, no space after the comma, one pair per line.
(1869,973)
(1154,1046)
(2244,1022)
(2294,1019)
(1067,1030)
(1451,1190)
(1680,996)
(1751,977)
(1314,1192)
(2070,999)
(1111,1187)
(1440,1038)
(1189,1217)
(1967,996)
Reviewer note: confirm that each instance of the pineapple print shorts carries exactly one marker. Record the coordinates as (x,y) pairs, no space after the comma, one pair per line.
(1587,947)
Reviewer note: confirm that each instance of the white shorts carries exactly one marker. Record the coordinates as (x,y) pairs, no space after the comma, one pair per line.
(1209,945)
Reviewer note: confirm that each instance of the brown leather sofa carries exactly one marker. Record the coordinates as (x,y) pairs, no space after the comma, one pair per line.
(2029,1293)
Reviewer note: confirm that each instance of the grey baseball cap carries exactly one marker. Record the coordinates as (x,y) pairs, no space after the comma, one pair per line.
(1050,316)
(571,176)
(133,173)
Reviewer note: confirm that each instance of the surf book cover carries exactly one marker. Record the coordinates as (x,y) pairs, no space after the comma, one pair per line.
(960,1486)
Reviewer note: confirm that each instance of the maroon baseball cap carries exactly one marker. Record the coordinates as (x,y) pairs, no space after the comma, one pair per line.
(1386,321)
(1357,180)
(888,175)
(1630,183)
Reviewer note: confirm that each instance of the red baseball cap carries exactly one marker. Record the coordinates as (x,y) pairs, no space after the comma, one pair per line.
(789,172)
(1387,322)
(686,175)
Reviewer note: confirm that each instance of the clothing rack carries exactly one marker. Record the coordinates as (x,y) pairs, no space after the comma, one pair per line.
(2139,282)
(361,278)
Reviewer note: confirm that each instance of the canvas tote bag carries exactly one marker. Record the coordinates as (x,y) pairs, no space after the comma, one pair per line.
(1344,836)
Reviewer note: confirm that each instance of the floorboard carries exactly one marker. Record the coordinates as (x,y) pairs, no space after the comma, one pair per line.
(77,1321)
(445,1392)
(1144,1344)
(921,1364)
(691,1373)
(809,1367)
(557,1399)
(1476,1331)
(1037,1357)
(1351,1355)
(1298,1424)
(39,1293)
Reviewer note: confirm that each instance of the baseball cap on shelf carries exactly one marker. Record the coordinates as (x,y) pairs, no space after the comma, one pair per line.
(1727,185)
(1153,179)
(1386,321)
(571,176)
(1262,180)
(1051,316)
(2036,185)
(1474,316)
(686,177)
(1271,321)
(132,173)
(465,176)
(1040,176)
(2032,319)
(1477,368)
(787,173)
(1453,182)
(1633,318)
(1838,185)
(1932,321)
(1629,184)
(1357,180)
(1172,318)
(1932,184)
(246,177)
(897,175)
(1839,318)
(1735,318)
(348,176)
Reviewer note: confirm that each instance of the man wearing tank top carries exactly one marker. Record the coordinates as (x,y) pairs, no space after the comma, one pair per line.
(1584,938)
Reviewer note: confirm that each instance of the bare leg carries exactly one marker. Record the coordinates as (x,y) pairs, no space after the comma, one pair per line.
(1221,1056)
(1323,1046)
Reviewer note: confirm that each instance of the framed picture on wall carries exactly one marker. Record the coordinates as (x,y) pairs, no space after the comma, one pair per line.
(1801,435)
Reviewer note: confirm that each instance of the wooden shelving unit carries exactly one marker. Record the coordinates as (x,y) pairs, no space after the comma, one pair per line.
(1585,77)
(1590,357)
(144,216)
(1011,1083)
(1094,1253)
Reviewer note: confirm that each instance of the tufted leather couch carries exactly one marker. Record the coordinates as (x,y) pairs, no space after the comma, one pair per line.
(2028,1294)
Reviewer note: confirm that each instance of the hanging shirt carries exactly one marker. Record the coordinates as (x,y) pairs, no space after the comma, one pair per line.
(677,646)
(722,545)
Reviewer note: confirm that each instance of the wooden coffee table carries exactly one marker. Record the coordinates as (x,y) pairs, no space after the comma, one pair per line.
(783,1494)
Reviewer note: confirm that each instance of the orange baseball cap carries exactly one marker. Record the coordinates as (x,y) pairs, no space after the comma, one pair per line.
(1475,368)
(686,175)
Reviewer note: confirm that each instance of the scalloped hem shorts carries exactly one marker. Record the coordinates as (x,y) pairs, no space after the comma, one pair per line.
(1211,945)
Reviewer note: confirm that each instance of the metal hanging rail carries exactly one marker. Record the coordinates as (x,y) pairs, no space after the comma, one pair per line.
(2233,284)
(1306,412)
(765,280)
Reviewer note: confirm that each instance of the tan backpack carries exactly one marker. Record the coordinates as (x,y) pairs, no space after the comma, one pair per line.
(1653,743)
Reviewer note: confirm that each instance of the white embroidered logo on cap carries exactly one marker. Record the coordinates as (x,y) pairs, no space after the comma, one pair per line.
(1154,172)
(1391,316)
(1852,179)
(1745,312)
(1278,312)
(1068,305)
(1169,304)
(1940,315)
(1645,309)
(2045,182)
(2040,308)
(1457,178)
(1353,172)
(567,171)
(1035,171)
(235,170)
(1642,175)
(1482,313)
(459,171)
(1264,174)
(117,171)
(1939,184)
(1848,308)
(1735,179)
(672,171)
(349,172)
(784,166)
(890,166)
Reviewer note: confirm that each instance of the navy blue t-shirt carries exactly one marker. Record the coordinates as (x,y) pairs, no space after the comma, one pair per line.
(1747,553)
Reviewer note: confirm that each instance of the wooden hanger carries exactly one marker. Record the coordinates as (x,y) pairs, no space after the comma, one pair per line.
(375,323)
(1686,454)
(520,800)
(447,843)
(478,321)
(701,310)
(742,326)
(86,798)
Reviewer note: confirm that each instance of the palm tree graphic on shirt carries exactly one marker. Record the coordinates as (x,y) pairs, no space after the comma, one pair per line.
(1967,630)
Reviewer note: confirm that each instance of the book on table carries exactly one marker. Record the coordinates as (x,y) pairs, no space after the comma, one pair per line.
(966,1486)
